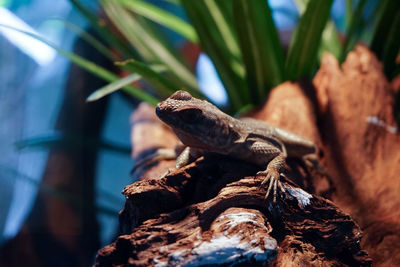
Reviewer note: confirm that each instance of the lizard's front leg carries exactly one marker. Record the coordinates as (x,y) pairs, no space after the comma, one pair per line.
(274,168)
(156,156)
(187,155)
(272,175)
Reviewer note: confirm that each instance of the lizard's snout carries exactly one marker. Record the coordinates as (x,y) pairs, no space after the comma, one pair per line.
(159,110)
(163,110)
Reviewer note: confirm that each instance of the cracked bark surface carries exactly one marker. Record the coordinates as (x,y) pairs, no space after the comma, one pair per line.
(213,211)
(204,215)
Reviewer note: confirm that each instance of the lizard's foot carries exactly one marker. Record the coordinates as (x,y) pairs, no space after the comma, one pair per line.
(272,176)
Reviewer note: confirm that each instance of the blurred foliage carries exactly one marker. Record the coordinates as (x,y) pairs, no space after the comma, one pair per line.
(70,142)
(386,37)
(63,195)
(239,36)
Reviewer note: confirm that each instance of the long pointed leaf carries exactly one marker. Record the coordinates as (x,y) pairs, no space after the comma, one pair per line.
(388,10)
(303,49)
(92,68)
(163,85)
(147,44)
(126,25)
(260,45)
(355,22)
(70,142)
(385,41)
(175,2)
(330,41)
(112,87)
(90,39)
(56,192)
(216,48)
(118,84)
(392,48)
(223,26)
(162,17)
(103,31)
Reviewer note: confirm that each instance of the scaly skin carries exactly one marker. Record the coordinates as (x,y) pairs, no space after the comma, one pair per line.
(203,127)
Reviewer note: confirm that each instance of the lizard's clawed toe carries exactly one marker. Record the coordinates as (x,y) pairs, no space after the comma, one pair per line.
(272,176)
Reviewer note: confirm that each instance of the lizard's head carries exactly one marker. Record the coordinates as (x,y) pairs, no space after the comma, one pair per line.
(196,122)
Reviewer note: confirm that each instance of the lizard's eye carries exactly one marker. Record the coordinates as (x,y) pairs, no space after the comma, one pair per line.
(190,115)
(181,95)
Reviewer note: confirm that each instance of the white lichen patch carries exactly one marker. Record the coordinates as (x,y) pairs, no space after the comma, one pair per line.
(231,250)
(380,123)
(241,217)
(302,196)
(158,263)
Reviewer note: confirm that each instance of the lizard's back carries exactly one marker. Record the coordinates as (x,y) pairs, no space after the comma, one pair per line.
(295,145)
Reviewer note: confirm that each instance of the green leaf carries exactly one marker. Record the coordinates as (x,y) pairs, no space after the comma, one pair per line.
(385,41)
(220,17)
(354,27)
(90,39)
(221,12)
(92,68)
(330,41)
(260,46)
(349,13)
(70,142)
(397,101)
(100,26)
(149,44)
(391,49)
(61,194)
(162,84)
(214,44)
(162,17)
(306,39)
(118,84)
(175,2)
(388,10)
(112,87)
(301,6)
(126,24)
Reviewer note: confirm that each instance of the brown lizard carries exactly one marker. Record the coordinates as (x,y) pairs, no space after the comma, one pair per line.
(202,127)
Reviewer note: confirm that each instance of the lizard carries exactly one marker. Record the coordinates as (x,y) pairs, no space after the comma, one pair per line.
(203,128)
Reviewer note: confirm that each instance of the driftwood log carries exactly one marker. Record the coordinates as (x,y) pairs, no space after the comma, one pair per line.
(213,212)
